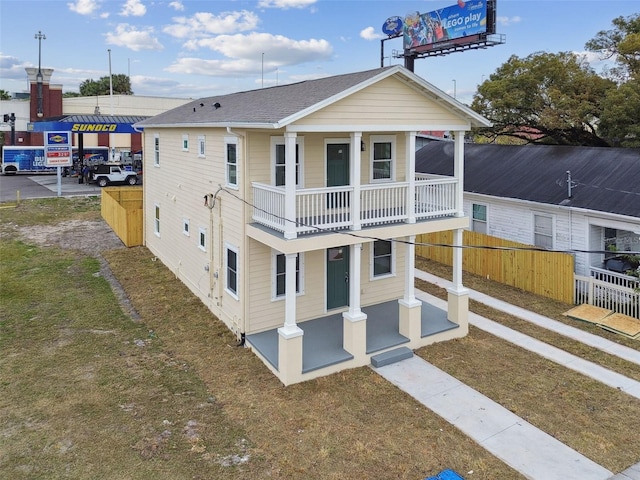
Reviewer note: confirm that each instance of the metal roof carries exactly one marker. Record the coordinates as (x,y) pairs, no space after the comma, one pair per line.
(603,179)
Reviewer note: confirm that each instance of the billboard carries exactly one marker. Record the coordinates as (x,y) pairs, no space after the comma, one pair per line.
(465,19)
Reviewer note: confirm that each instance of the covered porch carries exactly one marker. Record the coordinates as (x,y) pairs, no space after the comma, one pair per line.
(323,342)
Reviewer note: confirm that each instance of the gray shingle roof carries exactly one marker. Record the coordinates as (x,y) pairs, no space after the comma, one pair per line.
(606,179)
(263,106)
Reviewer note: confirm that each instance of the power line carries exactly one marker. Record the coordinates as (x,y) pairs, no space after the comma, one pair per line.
(421,244)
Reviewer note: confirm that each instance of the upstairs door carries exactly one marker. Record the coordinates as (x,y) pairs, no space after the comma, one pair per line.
(337,173)
(337,277)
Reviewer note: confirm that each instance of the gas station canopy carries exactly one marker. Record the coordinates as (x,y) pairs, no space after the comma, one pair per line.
(88,124)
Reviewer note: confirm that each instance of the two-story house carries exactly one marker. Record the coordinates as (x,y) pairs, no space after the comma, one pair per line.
(292,211)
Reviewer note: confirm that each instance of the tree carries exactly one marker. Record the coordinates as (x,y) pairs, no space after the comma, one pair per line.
(621,43)
(544,98)
(620,119)
(4,95)
(121,86)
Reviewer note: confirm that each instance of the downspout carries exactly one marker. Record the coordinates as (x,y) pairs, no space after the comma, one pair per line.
(245,176)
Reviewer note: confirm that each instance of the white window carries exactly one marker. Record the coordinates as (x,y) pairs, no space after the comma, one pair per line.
(382,158)
(231,160)
(185,226)
(231,266)
(156,150)
(479,218)
(156,220)
(202,239)
(185,143)
(278,160)
(201,146)
(280,273)
(543,231)
(382,258)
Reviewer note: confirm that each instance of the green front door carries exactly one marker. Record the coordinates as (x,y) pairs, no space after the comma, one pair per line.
(337,173)
(337,277)
(337,164)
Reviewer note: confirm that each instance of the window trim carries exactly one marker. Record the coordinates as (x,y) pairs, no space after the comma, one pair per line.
(231,248)
(391,139)
(275,141)
(156,150)
(156,219)
(185,142)
(485,221)
(274,276)
(392,254)
(231,141)
(535,233)
(186,227)
(202,152)
(202,238)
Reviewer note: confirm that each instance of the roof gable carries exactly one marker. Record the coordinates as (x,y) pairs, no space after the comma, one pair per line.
(603,179)
(279,106)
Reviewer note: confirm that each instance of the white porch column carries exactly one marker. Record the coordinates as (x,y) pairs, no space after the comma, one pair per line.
(290,185)
(353,321)
(290,335)
(458,170)
(411,176)
(354,178)
(457,295)
(410,306)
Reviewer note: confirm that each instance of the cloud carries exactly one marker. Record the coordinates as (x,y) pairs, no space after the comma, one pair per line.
(177,5)
(278,50)
(133,8)
(13,68)
(84,7)
(285,4)
(214,68)
(205,23)
(507,21)
(369,33)
(127,36)
(597,61)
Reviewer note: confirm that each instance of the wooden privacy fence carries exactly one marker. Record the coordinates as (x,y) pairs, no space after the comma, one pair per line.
(121,208)
(548,274)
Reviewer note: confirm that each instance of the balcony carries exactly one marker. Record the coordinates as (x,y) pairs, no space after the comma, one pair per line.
(334,208)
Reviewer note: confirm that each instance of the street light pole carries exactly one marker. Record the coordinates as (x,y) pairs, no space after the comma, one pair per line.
(111,148)
(454,88)
(39,36)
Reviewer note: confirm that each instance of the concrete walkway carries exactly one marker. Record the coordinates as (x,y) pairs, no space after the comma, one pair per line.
(519,444)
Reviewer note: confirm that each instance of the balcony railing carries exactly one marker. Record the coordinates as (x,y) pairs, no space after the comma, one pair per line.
(331,208)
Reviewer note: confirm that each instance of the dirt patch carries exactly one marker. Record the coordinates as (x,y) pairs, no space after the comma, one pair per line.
(88,236)
(91,237)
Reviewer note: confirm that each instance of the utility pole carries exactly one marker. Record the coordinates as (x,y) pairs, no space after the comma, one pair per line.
(39,36)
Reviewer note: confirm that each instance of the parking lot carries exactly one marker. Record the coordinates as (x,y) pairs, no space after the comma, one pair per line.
(41,186)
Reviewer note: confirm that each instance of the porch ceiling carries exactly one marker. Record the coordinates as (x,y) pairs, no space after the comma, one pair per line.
(324,240)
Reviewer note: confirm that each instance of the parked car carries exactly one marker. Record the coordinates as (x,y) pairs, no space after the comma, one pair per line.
(107,174)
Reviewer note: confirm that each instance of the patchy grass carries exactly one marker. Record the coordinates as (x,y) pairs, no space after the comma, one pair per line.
(87,392)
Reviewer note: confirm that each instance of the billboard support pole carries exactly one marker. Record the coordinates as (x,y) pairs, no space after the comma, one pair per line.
(409,61)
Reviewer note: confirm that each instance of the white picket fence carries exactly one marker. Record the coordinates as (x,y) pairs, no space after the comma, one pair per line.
(610,290)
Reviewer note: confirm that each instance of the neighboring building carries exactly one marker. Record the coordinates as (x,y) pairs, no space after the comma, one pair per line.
(579,199)
(86,113)
(291,213)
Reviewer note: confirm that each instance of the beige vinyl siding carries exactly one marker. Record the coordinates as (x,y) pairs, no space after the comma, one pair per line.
(388,102)
(178,185)
(382,289)
(264,312)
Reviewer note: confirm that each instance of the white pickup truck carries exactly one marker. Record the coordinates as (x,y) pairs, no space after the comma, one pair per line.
(106,174)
